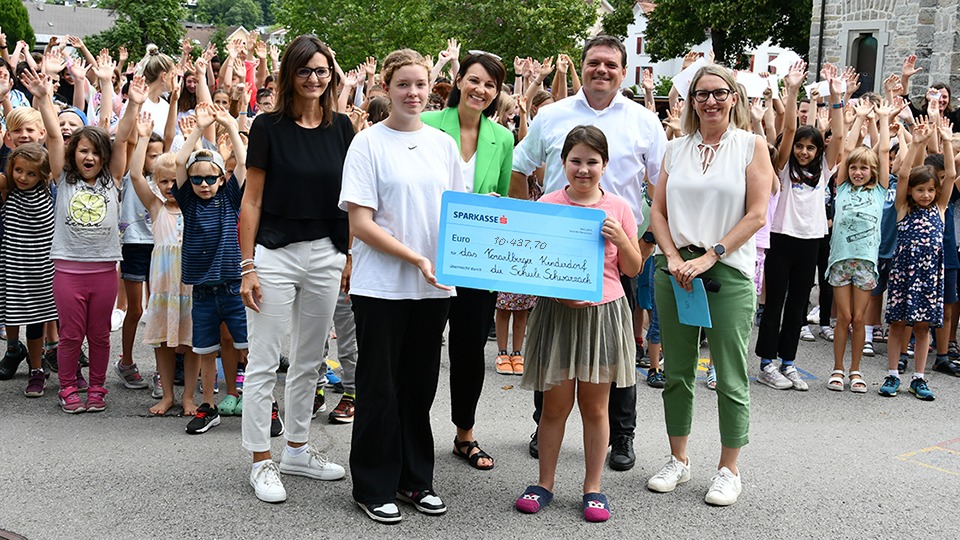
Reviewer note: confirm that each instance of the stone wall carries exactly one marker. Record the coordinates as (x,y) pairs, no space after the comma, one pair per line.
(928,28)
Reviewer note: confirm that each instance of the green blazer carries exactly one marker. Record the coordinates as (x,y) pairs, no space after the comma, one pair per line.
(494,149)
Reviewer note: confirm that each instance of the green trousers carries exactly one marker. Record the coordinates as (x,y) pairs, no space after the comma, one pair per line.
(731,312)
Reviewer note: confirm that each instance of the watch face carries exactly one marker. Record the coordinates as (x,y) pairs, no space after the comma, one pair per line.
(720,249)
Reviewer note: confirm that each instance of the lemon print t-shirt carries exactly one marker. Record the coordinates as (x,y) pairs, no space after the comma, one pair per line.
(87,222)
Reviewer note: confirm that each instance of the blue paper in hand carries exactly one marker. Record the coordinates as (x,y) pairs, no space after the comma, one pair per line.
(692,307)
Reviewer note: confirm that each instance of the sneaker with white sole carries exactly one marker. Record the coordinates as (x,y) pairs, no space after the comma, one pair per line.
(382,513)
(426,501)
(312,464)
(673,472)
(793,376)
(771,376)
(156,391)
(130,375)
(814,316)
(806,334)
(266,483)
(724,488)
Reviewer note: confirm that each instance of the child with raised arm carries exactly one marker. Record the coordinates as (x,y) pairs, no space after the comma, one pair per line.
(915,294)
(169,325)
(211,253)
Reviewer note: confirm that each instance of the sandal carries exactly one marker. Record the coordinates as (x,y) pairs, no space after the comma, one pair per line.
(505,365)
(463,448)
(835,382)
(517,361)
(857,384)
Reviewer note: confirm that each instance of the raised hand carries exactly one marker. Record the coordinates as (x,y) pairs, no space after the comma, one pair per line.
(945,128)
(144,125)
(261,50)
(828,71)
(221,115)
(187,124)
(137,92)
(756,110)
(453,47)
(563,63)
(200,66)
(910,66)
(796,75)
(123,55)
(206,115)
(370,66)
(209,52)
(647,82)
(922,131)
(546,68)
(517,65)
(104,67)
(39,84)
(852,79)
(535,69)
(885,109)
(275,56)
(836,87)
(358,117)
(6,83)
(174,83)
(186,47)
(863,108)
(79,69)
(890,82)
(689,59)
(673,118)
(53,62)
(75,42)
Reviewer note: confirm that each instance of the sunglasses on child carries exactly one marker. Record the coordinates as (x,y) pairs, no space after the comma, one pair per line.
(210,180)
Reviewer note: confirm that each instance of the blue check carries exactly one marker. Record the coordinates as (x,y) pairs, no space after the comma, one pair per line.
(516,246)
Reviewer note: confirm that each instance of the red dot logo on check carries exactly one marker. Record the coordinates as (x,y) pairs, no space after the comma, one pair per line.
(503,220)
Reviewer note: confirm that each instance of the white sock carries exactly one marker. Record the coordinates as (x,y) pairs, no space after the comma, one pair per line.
(869,329)
(258,464)
(824,328)
(917,375)
(296,451)
(894,373)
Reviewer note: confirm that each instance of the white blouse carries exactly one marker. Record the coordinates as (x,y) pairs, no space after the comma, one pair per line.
(704,205)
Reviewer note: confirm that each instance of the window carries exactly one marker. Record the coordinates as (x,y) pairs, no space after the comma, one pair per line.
(639,75)
(639,44)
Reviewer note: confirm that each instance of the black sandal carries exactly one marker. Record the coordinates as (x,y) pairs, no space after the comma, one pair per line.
(463,448)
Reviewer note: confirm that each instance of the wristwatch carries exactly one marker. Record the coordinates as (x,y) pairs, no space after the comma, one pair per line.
(719,250)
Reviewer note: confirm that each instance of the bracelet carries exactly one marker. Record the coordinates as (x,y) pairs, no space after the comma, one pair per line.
(836,105)
(349,252)
(250,271)
(245,262)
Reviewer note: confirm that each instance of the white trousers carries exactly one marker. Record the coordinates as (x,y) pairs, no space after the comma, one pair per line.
(299,284)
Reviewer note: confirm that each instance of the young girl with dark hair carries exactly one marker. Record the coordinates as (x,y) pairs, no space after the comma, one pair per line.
(576,349)
(803,165)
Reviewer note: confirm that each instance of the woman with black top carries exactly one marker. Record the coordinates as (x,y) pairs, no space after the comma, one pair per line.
(294,246)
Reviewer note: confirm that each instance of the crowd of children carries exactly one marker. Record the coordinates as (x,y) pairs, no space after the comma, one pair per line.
(147,175)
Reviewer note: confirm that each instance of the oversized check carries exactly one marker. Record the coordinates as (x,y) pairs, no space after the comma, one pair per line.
(516,246)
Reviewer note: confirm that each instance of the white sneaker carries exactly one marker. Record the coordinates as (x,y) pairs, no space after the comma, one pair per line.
(266,483)
(793,376)
(311,464)
(724,488)
(673,472)
(116,319)
(806,334)
(772,377)
(814,316)
(157,387)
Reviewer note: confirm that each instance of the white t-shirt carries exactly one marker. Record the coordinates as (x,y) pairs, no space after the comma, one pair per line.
(401,175)
(702,207)
(801,211)
(158,112)
(469,169)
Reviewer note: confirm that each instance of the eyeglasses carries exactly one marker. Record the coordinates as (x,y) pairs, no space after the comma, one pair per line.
(479,52)
(210,180)
(320,72)
(720,94)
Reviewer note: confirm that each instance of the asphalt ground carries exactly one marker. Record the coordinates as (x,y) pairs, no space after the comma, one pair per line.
(819,464)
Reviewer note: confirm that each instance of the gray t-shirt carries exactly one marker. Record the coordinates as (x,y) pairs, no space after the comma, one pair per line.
(87,219)
(135,224)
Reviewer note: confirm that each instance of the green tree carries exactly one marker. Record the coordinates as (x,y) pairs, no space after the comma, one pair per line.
(266,7)
(139,23)
(676,25)
(508,29)
(617,22)
(246,13)
(15,23)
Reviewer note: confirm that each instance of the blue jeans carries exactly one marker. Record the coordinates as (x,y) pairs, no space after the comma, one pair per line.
(213,305)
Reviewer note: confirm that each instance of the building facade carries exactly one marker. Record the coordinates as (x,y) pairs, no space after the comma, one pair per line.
(874,36)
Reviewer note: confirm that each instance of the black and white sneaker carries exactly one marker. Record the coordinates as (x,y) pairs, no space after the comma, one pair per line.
(426,501)
(207,417)
(382,513)
(319,401)
(276,424)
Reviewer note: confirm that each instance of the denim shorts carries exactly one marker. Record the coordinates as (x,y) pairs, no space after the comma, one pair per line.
(213,305)
(135,265)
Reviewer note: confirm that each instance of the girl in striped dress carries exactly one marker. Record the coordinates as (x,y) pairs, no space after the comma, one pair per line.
(26,270)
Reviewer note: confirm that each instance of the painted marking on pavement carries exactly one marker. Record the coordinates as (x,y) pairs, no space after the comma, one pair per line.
(943,457)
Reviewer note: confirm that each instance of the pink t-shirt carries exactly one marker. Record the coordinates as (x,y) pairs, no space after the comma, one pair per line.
(615,208)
